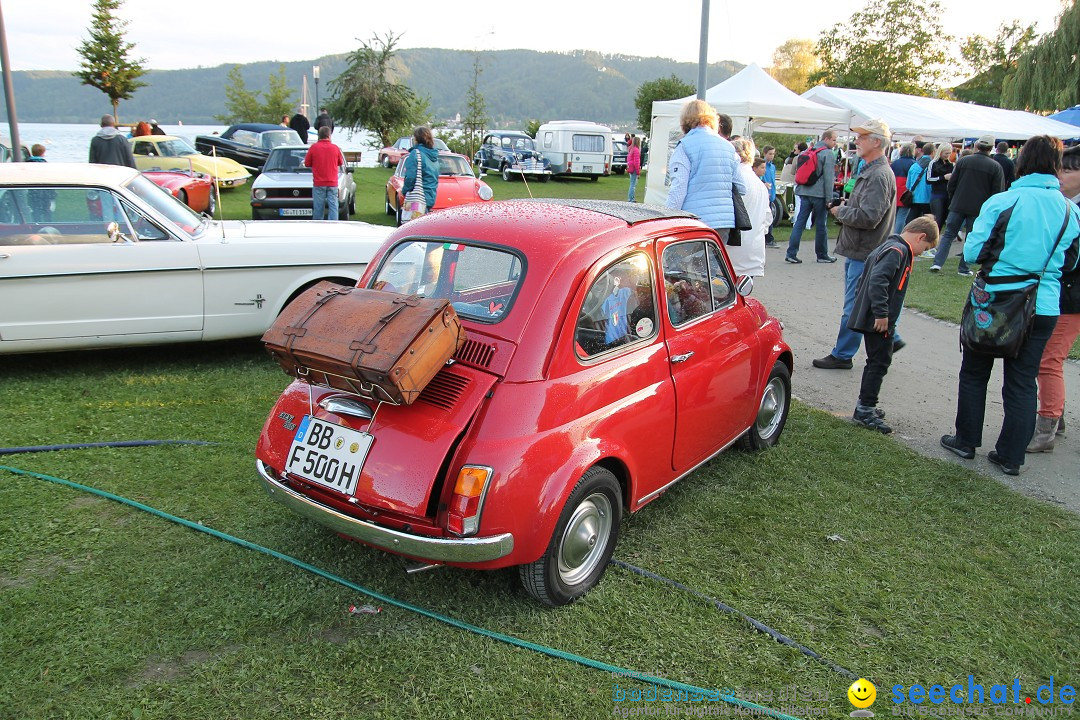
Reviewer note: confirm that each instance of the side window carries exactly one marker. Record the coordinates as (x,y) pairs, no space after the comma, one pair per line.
(245,137)
(619,309)
(547,139)
(143,228)
(58,216)
(695,281)
(144,148)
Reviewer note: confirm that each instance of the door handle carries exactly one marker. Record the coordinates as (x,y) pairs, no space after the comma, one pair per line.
(682,358)
(4,256)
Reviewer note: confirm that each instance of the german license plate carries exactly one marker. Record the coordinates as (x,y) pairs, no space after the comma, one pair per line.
(327,454)
(586,168)
(294,212)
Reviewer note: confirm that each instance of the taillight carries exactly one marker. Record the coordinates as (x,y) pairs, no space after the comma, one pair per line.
(463,514)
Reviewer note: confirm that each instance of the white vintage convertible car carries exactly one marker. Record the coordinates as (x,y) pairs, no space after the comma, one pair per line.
(98,256)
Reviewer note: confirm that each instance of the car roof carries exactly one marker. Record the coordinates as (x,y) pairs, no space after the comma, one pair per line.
(156,138)
(257,127)
(514,133)
(65,173)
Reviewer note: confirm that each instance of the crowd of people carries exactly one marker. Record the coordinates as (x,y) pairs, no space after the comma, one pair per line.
(1018,220)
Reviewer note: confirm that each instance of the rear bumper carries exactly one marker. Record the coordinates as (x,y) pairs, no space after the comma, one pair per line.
(453,550)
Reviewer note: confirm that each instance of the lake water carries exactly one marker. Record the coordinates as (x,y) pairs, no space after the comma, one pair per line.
(71,142)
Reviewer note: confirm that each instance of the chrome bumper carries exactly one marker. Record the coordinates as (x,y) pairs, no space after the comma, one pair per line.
(463,550)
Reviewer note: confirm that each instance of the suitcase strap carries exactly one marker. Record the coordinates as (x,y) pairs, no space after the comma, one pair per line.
(297,331)
(367,345)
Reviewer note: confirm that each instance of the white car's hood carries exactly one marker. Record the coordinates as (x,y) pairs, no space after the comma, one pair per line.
(288,231)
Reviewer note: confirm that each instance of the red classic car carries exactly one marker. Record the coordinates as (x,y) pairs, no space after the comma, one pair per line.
(610,351)
(191,188)
(458,185)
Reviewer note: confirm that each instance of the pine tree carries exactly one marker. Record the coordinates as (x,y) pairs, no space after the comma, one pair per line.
(106,64)
(477,117)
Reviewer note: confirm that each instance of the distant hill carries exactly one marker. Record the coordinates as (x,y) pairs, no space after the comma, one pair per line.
(518,85)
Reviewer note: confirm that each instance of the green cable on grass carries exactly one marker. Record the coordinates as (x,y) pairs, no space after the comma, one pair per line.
(508,639)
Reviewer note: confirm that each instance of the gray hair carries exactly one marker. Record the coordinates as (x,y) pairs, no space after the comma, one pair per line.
(108,121)
(882,140)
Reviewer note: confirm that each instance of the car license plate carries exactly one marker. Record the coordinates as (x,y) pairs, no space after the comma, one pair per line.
(327,454)
(586,168)
(294,212)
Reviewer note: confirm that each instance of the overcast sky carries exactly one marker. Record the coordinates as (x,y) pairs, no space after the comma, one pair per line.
(44,34)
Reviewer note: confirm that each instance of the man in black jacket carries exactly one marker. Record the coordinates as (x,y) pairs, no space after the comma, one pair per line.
(1008,167)
(975,178)
(300,124)
(324,120)
(878,302)
(109,147)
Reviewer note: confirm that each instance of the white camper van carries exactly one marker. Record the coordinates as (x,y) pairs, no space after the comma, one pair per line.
(575,147)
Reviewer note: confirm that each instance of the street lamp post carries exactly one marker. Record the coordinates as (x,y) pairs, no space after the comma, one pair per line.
(315,73)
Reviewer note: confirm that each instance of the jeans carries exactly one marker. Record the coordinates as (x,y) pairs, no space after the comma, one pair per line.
(631,196)
(321,197)
(848,341)
(939,205)
(815,205)
(878,360)
(953,224)
(901,219)
(1051,378)
(1018,394)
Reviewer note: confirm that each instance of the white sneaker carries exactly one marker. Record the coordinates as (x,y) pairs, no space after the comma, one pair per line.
(935,268)
(927,254)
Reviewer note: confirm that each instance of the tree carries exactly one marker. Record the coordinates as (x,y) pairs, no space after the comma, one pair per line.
(532,128)
(278,98)
(793,64)
(241,104)
(1047,76)
(366,96)
(476,118)
(892,45)
(106,64)
(669,88)
(992,61)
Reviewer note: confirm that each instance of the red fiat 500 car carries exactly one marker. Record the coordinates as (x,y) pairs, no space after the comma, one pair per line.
(610,351)
(458,185)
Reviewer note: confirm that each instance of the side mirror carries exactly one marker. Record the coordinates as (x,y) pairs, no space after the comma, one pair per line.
(744,285)
(113,231)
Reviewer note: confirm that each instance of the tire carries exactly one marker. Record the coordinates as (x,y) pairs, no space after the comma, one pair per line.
(772,412)
(398,218)
(544,178)
(352,204)
(181,195)
(507,176)
(384,161)
(211,205)
(255,215)
(389,207)
(343,210)
(594,178)
(582,543)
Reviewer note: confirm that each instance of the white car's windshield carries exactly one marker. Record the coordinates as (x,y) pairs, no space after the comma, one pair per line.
(287,160)
(166,204)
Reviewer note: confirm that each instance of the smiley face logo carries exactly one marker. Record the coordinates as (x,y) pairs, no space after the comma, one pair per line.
(862,693)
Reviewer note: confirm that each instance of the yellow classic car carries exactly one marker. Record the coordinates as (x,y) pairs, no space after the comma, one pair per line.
(168,152)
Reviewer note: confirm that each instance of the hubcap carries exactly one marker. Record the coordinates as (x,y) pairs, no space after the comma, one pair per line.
(583,542)
(771,410)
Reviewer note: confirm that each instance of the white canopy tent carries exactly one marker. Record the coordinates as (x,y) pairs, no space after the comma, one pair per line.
(750,97)
(908,116)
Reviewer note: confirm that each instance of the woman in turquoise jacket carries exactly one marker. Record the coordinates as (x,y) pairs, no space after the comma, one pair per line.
(424,154)
(1018,232)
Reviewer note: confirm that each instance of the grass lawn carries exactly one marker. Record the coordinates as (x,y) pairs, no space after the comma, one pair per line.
(899,568)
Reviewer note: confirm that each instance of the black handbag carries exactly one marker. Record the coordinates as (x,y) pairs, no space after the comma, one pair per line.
(907,199)
(742,219)
(997,322)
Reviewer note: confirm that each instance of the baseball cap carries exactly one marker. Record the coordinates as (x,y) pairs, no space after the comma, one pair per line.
(986,141)
(874,126)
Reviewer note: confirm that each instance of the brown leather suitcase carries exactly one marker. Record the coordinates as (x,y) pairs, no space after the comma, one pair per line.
(378,344)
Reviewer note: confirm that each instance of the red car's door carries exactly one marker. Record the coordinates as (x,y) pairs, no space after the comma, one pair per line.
(711,345)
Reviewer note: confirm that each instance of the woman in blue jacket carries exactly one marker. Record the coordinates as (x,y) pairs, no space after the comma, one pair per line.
(1017,232)
(420,188)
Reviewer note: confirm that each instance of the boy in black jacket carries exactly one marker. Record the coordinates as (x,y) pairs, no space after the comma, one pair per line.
(878,302)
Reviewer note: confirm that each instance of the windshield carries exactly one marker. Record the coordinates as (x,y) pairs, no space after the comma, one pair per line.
(455,166)
(272,138)
(523,144)
(166,204)
(291,160)
(480,282)
(175,148)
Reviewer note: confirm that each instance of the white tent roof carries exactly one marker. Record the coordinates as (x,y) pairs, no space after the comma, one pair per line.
(754,96)
(908,115)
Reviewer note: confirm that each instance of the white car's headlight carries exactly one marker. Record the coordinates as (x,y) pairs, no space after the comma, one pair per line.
(260,194)
(484,192)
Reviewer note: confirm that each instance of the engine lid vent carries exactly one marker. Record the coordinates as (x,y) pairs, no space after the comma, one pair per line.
(476,353)
(444,390)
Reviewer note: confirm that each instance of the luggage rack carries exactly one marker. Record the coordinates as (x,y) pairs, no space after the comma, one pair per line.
(362,390)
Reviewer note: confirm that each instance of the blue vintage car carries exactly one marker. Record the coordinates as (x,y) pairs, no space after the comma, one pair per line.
(512,153)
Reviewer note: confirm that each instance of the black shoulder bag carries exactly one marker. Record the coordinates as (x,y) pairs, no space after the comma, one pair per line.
(997,323)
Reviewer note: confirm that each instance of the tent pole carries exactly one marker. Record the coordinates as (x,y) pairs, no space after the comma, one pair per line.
(9,94)
(703,53)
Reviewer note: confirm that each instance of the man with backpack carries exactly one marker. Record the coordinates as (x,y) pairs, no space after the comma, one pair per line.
(815,173)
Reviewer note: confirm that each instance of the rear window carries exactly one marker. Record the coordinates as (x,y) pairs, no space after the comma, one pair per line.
(480,282)
(588,143)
